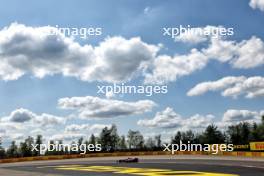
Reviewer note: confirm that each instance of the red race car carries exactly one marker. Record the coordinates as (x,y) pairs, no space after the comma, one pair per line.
(128,160)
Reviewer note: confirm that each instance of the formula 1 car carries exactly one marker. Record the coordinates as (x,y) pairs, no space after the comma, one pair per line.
(128,160)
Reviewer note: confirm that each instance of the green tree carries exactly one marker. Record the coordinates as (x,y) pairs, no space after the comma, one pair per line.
(105,139)
(188,136)
(150,143)
(29,142)
(255,134)
(73,149)
(261,129)
(2,150)
(122,143)
(38,142)
(52,150)
(177,138)
(80,142)
(213,136)
(135,140)
(25,147)
(245,132)
(158,141)
(62,150)
(12,151)
(109,138)
(114,137)
(242,132)
(234,133)
(92,139)
(185,137)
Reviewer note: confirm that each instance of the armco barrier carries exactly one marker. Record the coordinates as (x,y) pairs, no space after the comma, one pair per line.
(58,157)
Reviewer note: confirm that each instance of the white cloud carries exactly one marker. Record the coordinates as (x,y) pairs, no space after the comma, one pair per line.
(232,86)
(21,115)
(49,120)
(95,107)
(196,35)
(109,94)
(222,50)
(75,127)
(170,119)
(85,127)
(257,4)
(240,55)
(96,127)
(67,137)
(168,69)
(234,116)
(118,59)
(73,132)
(9,126)
(21,123)
(250,54)
(30,50)
(220,84)
(199,121)
(27,123)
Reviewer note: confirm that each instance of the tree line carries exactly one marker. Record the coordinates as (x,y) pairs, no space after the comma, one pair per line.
(111,141)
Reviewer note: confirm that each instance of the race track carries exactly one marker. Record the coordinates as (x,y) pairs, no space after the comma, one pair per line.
(148,166)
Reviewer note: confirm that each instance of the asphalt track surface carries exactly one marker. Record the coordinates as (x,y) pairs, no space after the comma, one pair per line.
(148,166)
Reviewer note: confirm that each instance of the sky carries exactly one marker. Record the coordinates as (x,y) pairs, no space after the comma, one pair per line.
(49,83)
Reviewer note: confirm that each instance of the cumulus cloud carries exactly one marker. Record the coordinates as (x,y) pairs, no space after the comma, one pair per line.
(26,49)
(25,116)
(170,119)
(240,55)
(257,4)
(233,116)
(243,55)
(118,59)
(67,137)
(220,84)
(85,127)
(250,87)
(167,69)
(95,107)
(30,50)
(222,50)
(250,54)
(74,132)
(21,123)
(21,115)
(49,120)
(196,35)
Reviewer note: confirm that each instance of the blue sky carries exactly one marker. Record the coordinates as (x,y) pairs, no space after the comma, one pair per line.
(144,19)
